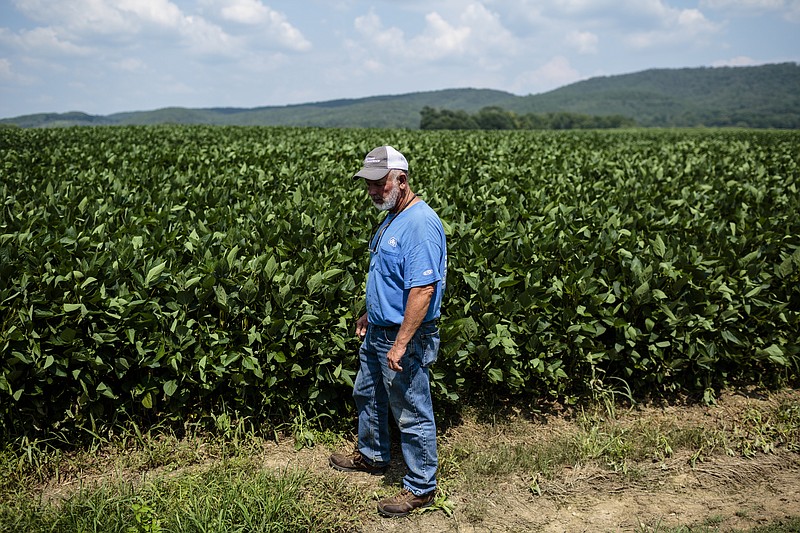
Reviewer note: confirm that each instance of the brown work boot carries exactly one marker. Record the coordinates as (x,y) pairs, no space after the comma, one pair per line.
(403,503)
(355,462)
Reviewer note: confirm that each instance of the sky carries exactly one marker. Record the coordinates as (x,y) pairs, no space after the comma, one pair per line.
(108,56)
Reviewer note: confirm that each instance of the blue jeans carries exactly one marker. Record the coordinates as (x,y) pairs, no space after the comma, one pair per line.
(408,394)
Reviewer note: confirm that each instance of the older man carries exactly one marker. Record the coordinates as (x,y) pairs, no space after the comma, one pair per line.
(400,335)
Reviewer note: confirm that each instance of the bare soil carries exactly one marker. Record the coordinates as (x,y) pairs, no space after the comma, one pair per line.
(719,492)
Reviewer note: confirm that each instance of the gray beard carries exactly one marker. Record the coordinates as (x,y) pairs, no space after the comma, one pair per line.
(390,201)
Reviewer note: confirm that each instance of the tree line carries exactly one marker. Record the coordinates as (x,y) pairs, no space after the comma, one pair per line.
(497,118)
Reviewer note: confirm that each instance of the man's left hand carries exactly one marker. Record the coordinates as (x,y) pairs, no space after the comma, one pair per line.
(394,356)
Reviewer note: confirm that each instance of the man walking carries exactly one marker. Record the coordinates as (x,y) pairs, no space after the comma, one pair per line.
(400,335)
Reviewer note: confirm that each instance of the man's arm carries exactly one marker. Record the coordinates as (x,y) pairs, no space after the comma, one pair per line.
(419,299)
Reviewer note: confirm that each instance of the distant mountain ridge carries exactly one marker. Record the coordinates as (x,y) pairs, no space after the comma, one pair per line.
(766,96)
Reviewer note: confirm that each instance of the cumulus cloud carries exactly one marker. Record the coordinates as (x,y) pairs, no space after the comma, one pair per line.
(5,69)
(739,61)
(127,21)
(371,28)
(130,64)
(789,9)
(555,72)
(677,26)
(98,17)
(744,4)
(583,41)
(43,41)
(274,24)
(475,33)
(159,12)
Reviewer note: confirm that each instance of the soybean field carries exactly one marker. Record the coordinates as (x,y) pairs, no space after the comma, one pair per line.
(170,272)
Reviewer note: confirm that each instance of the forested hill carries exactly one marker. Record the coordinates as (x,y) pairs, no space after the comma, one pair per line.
(765,96)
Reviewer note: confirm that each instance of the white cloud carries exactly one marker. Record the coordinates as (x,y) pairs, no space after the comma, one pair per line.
(440,39)
(583,41)
(43,41)
(677,26)
(9,75)
(789,9)
(5,67)
(743,4)
(5,70)
(740,61)
(476,33)
(370,27)
(274,24)
(555,73)
(78,16)
(205,38)
(158,12)
(246,11)
(130,64)
(128,21)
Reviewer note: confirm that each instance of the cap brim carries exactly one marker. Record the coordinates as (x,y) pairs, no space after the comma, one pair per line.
(372,174)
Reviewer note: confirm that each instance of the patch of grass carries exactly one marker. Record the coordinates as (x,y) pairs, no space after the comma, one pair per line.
(789,525)
(234,495)
(155,481)
(596,437)
(712,525)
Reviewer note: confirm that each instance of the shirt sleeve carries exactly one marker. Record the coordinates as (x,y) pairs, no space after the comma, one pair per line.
(422,265)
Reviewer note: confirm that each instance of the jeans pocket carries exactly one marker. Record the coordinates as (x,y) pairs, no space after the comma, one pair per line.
(430,348)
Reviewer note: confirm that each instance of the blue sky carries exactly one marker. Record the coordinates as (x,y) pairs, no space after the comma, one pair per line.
(107,56)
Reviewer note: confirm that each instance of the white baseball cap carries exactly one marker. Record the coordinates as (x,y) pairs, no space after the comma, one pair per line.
(380,161)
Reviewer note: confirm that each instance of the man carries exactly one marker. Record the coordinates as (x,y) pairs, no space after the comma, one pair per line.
(400,335)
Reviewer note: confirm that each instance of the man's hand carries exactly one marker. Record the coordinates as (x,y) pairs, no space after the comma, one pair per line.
(361,326)
(394,356)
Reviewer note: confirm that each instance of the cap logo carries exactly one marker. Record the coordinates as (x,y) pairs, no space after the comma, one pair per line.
(370,159)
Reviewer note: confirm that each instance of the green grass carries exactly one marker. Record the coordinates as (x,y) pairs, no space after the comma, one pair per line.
(227,497)
(788,525)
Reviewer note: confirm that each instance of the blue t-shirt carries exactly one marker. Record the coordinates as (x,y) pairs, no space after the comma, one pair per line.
(411,253)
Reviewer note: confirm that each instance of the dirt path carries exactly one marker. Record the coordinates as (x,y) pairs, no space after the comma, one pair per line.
(726,493)
(721,492)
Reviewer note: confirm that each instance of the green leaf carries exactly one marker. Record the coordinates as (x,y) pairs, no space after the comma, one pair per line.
(170,387)
(658,246)
(222,296)
(154,273)
(495,375)
(643,289)
(147,401)
(231,257)
(785,268)
(314,282)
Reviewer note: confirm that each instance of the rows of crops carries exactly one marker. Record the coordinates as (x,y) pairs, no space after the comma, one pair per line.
(172,271)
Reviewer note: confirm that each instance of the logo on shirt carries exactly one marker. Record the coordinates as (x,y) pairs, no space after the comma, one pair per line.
(427,272)
(393,242)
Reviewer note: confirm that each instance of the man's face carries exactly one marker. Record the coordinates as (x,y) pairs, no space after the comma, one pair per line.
(384,192)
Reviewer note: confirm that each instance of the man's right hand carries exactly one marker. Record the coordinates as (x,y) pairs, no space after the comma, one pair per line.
(361,326)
